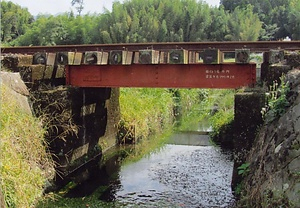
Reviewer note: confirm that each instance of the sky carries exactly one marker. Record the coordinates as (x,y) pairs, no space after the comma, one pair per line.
(53,7)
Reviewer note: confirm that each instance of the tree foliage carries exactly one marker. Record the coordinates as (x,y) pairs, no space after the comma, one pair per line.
(294,19)
(136,21)
(274,14)
(14,21)
(239,24)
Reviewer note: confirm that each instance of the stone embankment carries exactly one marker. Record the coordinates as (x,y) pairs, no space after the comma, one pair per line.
(17,89)
(273,177)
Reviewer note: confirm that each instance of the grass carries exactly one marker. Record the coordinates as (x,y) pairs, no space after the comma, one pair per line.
(25,164)
(192,109)
(215,107)
(149,110)
(223,102)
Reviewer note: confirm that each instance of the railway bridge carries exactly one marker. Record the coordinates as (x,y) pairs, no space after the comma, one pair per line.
(81,79)
(171,65)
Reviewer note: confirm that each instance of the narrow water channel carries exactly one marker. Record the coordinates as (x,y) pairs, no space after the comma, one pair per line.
(187,172)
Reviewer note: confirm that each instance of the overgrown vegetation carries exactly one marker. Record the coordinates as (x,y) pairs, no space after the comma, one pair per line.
(277,101)
(24,163)
(153,111)
(216,108)
(189,106)
(146,114)
(222,113)
(57,201)
(150,110)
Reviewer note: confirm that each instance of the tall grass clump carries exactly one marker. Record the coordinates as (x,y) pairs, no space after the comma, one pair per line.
(214,107)
(24,163)
(192,112)
(148,109)
(222,109)
(150,112)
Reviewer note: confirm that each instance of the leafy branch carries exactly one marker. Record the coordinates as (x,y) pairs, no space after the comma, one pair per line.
(243,170)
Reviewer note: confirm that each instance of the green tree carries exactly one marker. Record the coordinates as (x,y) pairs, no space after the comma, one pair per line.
(244,25)
(15,21)
(268,32)
(280,17)
(163,32)
(165,21)
(196,20)
(202,20)
(273,13)
(293,25)
(218,27)
(230,5)
(46,30)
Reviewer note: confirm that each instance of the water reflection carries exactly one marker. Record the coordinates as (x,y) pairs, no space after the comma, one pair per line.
(190,139)
(179,176)
(188,172)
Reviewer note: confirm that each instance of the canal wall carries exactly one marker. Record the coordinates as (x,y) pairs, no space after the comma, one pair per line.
(269,175)
(247,119)
(81,123)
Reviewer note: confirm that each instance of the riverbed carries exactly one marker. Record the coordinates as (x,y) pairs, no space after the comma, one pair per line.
(188,172)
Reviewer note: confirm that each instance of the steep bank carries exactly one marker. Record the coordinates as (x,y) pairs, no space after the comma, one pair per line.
(24,163)
(273,176)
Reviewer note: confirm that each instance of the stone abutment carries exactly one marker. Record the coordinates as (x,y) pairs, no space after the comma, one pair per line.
(81,123)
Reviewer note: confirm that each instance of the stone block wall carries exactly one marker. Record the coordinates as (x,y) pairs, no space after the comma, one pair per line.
(273,177)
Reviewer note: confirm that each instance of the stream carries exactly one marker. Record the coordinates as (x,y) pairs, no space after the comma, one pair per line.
(187,172)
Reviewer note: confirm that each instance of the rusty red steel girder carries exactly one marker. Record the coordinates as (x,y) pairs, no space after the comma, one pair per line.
(162,75)
(255,46)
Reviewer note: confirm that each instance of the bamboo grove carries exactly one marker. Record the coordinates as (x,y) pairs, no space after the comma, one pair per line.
(135,21)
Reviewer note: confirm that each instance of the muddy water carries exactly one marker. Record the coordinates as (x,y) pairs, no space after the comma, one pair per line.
(187,172)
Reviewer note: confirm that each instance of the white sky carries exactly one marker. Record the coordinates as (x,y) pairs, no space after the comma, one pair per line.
(53,7)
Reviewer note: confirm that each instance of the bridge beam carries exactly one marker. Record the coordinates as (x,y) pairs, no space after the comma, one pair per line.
(162,75)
